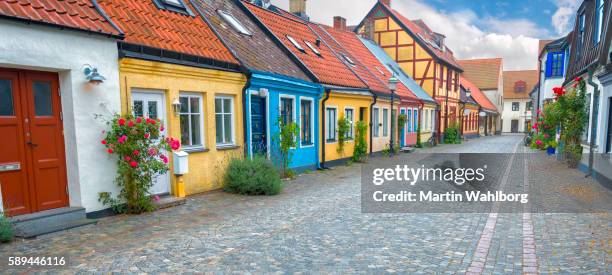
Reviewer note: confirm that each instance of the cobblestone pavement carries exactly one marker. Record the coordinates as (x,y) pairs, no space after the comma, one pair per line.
(316,226)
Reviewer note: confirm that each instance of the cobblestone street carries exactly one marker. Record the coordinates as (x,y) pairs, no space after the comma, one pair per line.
(316,226)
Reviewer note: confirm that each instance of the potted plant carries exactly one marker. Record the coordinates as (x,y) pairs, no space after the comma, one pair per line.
(552,147)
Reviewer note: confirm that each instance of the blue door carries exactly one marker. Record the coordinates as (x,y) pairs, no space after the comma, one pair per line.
(402,131)
(258,125)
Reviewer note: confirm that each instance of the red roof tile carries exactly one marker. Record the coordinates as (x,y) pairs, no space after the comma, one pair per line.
(328,68)
(375,73)
(76,14)
(145,24)
(485,73)
(478,95)
(423,33)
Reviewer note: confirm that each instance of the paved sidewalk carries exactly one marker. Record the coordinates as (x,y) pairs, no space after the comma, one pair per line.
(316,226)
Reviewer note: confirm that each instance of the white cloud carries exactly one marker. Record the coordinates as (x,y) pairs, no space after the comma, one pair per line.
(562,19)
(468,35)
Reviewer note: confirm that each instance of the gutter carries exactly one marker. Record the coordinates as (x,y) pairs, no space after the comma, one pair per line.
(372,124)
(595,105)
(245,110)
(327,93)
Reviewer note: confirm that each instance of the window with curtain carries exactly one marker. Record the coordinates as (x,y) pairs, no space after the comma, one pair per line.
(349,114)
(331,122)
(224,112)
(286,110)
(306,122)
(191,120)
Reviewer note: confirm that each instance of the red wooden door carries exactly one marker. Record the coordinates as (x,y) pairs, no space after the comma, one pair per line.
(35,142)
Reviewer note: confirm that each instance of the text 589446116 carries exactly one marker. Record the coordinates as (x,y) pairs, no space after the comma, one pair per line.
(36,261)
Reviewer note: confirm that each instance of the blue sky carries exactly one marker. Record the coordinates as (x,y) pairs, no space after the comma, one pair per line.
(510,29)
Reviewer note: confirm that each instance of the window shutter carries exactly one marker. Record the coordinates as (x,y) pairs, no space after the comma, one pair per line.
(549,63)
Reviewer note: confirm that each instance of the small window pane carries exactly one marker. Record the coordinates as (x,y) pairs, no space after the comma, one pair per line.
(43,103)
(194,105)
(195,130)
(185,130)
(219,127)
(153,110)
(138,108)
(184,104)
(228,128)
(6,98)
(227,105)
(218,105)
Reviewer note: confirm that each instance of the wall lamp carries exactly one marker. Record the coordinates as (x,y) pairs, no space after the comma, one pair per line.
(176,106)
(92,75)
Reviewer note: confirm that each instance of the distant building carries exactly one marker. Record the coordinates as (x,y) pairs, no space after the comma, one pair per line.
(516,114)
(487,75)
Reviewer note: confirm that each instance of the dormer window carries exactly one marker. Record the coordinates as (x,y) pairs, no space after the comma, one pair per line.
(312,48)
(174,5)
(296,44)
(230,19)
(520,86)
(348,59)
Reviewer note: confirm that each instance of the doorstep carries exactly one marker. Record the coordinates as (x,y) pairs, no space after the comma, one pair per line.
(49,221)
(168,201)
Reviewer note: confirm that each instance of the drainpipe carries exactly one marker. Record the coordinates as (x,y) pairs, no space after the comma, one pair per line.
(322,165)
(245,92)
(372,124)
(595,105)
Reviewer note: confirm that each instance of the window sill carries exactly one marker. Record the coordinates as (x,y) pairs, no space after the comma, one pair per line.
(307,144)
(227,147)
(196,150)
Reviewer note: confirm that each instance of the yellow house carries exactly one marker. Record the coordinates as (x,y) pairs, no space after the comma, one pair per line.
(189,81)
(421,53)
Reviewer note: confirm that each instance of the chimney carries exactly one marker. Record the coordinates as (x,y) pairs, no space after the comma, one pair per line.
(386,2)
(340,23)
(298,7)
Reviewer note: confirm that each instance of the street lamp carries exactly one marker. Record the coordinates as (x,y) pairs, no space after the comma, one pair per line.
(393,87)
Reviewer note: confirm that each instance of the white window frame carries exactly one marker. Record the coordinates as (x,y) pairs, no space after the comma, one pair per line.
(385,119)
(432,118)
(376,121)
(232,121)
(280,106)
(312,48)
(327,125)
(312,121)
(295,43)
(200,97)
(233,21)
(351,122)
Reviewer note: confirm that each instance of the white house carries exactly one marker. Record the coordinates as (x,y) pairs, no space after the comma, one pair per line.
(518,107)
(553,60)
(52,159)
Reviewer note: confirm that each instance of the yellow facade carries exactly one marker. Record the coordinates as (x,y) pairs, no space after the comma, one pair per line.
(341,101)
(381,141)
(206,167)
(428,122)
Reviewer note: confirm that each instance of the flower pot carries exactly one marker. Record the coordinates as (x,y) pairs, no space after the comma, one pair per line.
(551,150)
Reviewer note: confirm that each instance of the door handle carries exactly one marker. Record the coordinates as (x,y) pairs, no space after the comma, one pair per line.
(32,144)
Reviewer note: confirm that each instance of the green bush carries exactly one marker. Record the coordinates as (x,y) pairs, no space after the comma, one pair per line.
(6,229)
(253,177)
(360,152)
(451,135)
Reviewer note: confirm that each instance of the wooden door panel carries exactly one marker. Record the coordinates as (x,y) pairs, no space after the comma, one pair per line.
(45,142)
(14,183)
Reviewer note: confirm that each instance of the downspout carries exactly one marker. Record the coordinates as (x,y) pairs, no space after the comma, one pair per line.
(323,141)
(595,105)
(245,92)
(372,124)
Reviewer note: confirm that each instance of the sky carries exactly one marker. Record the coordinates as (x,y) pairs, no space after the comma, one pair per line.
(509,29)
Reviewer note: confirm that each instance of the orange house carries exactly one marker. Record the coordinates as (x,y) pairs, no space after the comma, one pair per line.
(421,53)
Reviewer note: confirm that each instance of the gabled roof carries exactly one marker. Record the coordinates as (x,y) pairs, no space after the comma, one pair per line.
(256,51)
(342,43)
(530,77)
(421,33)
(377,72)
(479,97)
(80,15)
(392,66)
(327,68)
(542,44)
(484,73)
(147,25)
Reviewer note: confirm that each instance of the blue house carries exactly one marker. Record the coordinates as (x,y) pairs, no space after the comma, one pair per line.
(278,90)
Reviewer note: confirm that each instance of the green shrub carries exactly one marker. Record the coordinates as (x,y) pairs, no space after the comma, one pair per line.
(419,144)
(361,143)
(6,229)
(344,126)
(451,135)
(253,177)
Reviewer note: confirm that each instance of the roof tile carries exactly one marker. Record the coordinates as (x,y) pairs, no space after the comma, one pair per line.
(478,95)
(145,24)
(76,14)
(484,73)
(511,77)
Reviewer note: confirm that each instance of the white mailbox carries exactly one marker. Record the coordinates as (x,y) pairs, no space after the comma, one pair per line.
(181,163)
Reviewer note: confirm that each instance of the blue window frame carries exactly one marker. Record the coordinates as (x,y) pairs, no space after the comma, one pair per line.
(306,122)
(409,122)
(416,120)
(599,12)
(555,63)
